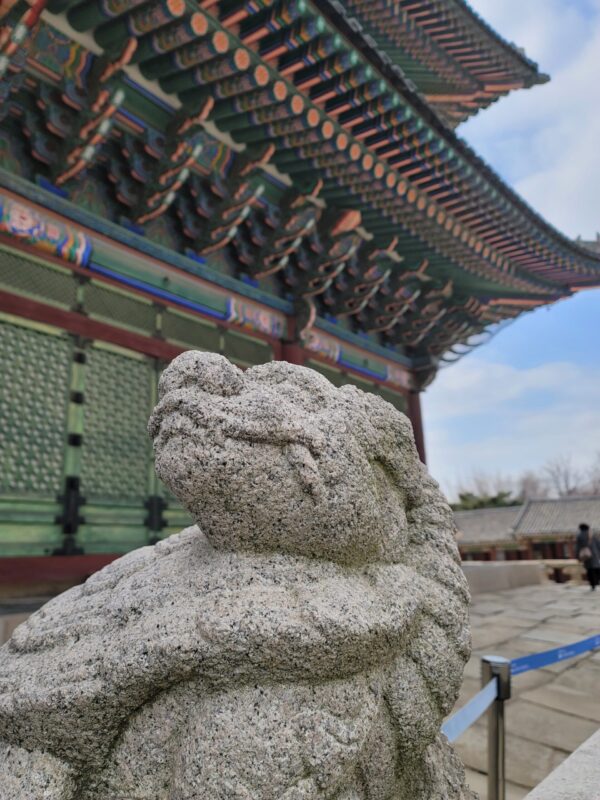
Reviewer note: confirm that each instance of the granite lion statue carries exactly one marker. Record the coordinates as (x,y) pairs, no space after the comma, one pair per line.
(304,640)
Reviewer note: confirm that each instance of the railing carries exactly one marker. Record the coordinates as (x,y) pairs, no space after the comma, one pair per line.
(496,675)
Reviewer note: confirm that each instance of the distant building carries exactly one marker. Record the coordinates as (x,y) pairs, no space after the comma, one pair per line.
(593,245)
(537,529)
(486,534)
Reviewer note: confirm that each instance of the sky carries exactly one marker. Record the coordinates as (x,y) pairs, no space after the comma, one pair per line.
(532,394)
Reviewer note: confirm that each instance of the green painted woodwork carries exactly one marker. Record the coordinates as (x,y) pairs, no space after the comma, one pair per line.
(117,448)
(244,350)
(188,331)
(113,461)
(33,410)
(32,278)
(116,307)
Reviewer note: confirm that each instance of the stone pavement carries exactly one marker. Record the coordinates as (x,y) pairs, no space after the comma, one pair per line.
(554,709)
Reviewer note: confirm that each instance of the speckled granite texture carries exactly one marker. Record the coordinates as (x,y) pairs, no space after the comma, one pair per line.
(303,642)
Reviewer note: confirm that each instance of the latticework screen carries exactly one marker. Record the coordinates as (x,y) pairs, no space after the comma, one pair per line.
(33,409)
(116,449)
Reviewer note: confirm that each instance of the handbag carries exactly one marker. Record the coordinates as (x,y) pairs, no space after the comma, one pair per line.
(586,552)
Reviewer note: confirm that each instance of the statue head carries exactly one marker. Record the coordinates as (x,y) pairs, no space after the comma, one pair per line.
(278,459)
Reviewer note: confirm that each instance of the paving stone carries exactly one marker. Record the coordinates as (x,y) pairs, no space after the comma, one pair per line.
(527,763)
(487,609)
(553,636)
(521,646)
(531,680)
(541,728)
(582,677)
(547,726)
(515,621)
(571,625)
(561,698)
(560,610)
(589,619)
(491,634)
(478,782)
(529,613)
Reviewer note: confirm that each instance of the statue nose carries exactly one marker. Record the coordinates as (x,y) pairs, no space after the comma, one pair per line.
(208,372)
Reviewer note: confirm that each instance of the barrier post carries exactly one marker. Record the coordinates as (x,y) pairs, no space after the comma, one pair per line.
(499,668)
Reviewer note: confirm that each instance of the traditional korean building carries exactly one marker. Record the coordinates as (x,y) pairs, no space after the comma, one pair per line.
(268,179)
(540,528)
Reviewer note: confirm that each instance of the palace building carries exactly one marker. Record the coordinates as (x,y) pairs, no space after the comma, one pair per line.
(267,179)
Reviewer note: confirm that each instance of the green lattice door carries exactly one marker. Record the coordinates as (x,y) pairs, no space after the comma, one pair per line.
(34,404)
(123,507)
(115,460)
(76,462)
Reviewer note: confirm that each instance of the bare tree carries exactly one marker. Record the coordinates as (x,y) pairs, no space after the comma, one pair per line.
(531,486)
(591,484)
(595,476)
(562,477)
(556,478)
(484,484)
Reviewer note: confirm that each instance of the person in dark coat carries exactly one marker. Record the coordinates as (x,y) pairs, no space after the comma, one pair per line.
(587,550)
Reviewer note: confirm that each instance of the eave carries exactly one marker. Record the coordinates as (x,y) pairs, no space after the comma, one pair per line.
(458,61)
(359,138)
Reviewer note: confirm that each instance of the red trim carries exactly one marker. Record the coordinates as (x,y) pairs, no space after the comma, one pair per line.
(83,326)
(415,416)
(33,251)
(49,569)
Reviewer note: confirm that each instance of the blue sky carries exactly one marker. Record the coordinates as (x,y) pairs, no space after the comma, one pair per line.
(533,392)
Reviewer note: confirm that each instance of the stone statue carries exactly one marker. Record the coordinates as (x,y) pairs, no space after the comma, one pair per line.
(303,641)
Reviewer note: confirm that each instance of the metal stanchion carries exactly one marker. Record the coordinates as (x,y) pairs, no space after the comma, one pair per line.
(499,668)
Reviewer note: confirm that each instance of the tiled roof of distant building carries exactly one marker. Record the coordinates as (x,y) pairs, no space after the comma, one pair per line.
(486,524)
(558,517)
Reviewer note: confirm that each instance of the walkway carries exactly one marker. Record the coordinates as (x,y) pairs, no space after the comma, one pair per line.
(553,710)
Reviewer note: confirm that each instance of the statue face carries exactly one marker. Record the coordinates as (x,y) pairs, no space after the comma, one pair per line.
(278,459)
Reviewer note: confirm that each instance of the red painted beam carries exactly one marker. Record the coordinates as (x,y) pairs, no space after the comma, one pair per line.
(24,570)
(416,417)
(83,326)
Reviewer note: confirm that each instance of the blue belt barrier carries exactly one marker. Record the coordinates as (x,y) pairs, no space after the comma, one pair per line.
(463,719)
(538,660)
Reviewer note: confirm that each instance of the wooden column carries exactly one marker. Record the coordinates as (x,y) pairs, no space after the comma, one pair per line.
(415,416)
(293,353)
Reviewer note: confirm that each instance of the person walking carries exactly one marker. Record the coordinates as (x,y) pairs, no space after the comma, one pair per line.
(587,550)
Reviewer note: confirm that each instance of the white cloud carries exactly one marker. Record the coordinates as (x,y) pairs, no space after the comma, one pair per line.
(545,140)
(483,416)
